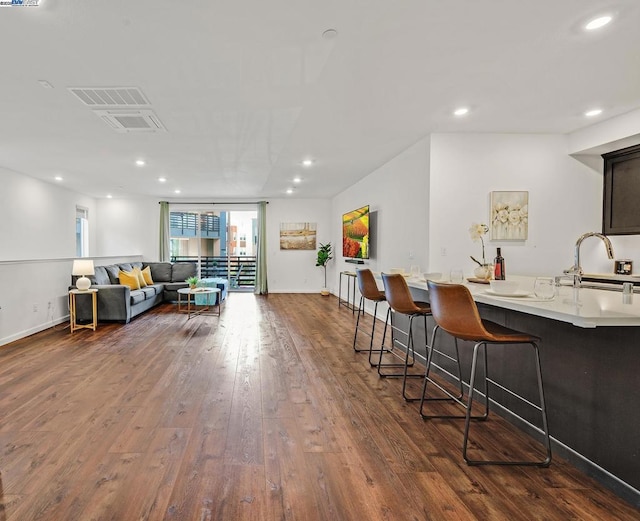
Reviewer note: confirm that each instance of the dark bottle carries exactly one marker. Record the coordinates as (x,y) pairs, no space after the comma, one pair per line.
(498,267)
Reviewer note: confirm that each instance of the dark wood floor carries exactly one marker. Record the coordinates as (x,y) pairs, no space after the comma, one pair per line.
(264,413)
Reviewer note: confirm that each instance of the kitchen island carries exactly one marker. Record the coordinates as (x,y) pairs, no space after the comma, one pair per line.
(590,354)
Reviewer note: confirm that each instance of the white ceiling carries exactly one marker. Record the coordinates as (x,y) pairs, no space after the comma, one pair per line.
(247,89)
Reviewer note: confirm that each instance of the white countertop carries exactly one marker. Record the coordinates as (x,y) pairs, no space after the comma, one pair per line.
(583,307)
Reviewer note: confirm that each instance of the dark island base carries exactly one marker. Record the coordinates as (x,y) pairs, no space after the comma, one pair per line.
(591,385)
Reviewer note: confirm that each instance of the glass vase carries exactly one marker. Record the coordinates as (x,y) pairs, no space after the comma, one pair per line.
(484,272)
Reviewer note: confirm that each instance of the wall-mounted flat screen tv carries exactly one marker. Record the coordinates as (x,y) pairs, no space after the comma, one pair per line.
(355,234)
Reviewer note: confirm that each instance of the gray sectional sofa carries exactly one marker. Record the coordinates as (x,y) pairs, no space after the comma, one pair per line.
(117,302)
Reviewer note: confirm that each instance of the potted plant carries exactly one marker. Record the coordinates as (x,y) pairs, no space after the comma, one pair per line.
(324,256)
(192,281)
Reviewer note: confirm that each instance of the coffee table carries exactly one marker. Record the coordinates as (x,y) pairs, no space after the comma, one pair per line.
(193,309)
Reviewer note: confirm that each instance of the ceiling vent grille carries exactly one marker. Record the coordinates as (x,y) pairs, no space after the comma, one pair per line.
(124,109)
(105,97)
(131,120)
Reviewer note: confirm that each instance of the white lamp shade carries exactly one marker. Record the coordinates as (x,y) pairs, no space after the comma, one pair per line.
(83,267)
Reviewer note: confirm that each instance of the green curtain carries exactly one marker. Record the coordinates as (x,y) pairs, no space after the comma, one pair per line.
(261,255)
(164,232)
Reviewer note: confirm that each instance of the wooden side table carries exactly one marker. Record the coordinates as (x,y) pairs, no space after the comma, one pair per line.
(72,309)
(351,291)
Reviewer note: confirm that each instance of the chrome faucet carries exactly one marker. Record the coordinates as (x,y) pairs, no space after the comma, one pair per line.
(576,269)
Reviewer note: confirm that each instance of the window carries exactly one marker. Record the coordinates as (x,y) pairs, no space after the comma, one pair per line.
(82,232)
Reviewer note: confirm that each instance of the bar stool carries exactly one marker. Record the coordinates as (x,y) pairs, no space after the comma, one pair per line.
(402,303)
(369,291)
(455,311)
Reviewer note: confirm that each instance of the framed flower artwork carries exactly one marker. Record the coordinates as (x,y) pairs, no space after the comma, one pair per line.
(509,216)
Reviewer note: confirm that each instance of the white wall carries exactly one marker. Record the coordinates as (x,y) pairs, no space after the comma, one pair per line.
(565,200)
(38,219)
(292,271)
(37,233)
(129,227)
(398,192)
(428,196)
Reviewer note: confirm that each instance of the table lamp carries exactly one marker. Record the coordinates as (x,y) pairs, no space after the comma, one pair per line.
(83,267)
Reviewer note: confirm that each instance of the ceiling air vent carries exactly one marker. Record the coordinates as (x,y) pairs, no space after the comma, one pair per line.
(124,109)
(97,97)
(131,120)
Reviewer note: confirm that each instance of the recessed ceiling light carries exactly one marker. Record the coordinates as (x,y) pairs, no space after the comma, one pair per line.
(109,196)
(289,190)
(461,111)
(592,113)
(162,179)
(58,178)
(596,23)
(176,191)
(307,162)
(140,162)
(296,179)
(45,84)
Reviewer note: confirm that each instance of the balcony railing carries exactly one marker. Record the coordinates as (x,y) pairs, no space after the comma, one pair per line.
(185,224)
(239,269)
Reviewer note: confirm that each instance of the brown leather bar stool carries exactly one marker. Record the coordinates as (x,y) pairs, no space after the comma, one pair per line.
(455,311)
(401,303)
(369,291)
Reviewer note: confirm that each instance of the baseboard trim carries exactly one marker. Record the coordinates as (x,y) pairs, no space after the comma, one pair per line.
(33,330)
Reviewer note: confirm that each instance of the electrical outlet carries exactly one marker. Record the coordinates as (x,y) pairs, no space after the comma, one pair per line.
(35,308)
(49,305)
(443,252)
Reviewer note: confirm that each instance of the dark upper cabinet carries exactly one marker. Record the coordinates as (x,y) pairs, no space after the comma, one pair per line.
(621,205)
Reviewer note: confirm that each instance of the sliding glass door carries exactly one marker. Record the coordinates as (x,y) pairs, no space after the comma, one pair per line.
(221,243)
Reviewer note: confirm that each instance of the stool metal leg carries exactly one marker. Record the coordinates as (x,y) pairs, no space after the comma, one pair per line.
(355,336)
(449,395)
(382,349)
(371,334)
(406,375)
(542,408)
(406,348)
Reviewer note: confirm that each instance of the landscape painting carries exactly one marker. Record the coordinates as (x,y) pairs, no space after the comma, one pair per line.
(297,236)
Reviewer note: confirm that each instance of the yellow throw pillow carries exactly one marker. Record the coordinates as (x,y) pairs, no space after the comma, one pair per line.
(141,281)
(129,278)
(146,273)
